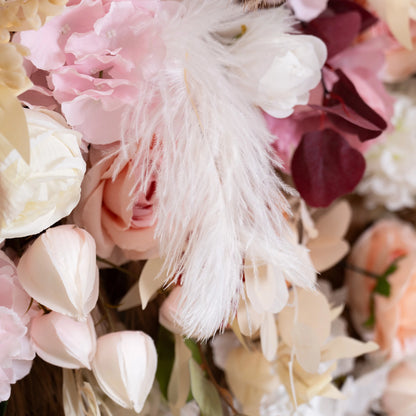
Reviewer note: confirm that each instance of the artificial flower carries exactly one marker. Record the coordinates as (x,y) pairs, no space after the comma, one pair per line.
(12,72)
(63,341)
(16,352)
(125,366)
(387,242)
(36,195)
(113,208)
(296,61)
(20,15)
(59,270)
(389,179)
(307,9)
(96,69)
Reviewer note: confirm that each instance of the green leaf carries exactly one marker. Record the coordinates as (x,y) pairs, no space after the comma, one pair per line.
(204,392)
(390,270)
(193,346)
(382,287)
(165,348)
(3,407)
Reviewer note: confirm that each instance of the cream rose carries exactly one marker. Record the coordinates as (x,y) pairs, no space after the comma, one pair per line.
(35,196)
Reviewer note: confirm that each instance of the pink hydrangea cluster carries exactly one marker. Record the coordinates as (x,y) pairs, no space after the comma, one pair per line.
(16,352)
(98,55)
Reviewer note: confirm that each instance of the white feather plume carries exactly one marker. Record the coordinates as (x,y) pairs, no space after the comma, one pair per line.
(219,199)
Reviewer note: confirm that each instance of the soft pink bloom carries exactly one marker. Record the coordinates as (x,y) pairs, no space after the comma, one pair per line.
(400,62)
(16,353)
(63,341)
(399,397)
(395,318)
(307,10)
(114,210)
(99,55)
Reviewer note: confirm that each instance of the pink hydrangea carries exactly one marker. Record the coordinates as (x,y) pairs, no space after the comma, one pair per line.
(16,353)
(99,55)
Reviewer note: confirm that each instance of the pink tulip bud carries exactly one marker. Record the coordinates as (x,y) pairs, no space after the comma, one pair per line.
(168,310)
(125,366)
(63,341)
(59,271)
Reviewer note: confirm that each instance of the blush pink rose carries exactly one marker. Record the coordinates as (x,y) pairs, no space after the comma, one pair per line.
(99,54)
(395,316)
(16,352)
(399,397)
(114,210)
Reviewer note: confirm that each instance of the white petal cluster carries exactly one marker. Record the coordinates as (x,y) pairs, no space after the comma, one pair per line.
(390,177)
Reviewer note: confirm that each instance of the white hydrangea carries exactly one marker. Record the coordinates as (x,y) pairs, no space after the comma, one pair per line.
(390,177)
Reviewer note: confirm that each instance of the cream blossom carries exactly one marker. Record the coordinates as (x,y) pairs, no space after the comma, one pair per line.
(390,177)
(59,271)
(125,366)
(36,195)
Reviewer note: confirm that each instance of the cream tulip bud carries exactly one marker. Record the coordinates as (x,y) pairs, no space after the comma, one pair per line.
(125,366)
(63,341)
(59,271)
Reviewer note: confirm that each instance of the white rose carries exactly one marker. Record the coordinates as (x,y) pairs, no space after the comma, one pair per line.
(283,68)
(35,196)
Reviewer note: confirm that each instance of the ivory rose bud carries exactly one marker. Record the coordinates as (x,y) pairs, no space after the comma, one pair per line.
(125,366)
(114,210)
(59,271)
(63,341)
(395,319)
(35,196)
(292,68)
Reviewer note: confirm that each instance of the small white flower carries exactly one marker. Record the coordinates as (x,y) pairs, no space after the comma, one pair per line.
(390,177)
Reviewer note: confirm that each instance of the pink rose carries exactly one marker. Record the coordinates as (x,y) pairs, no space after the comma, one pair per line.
(99,55)
(399,397)
(16,353)
(400,62)
(112,208)
(395,317)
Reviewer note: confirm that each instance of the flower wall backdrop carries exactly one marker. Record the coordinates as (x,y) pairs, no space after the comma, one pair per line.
(207,208)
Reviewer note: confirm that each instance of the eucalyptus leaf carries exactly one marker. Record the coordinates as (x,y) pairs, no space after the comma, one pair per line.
(204,392)
(165,347)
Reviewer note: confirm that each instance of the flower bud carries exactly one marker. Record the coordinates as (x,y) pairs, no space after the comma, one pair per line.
(168,310)
(125,366)
(63,341)
(59,271)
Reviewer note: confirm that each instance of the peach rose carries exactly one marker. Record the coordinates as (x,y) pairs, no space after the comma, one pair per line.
(113,210)
(399,397)
(395,315)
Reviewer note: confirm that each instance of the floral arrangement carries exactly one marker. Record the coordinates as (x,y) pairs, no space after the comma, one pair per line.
(207,207)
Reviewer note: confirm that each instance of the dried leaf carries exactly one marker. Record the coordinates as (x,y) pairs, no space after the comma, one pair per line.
(268,337)
(131,299)
(307,347)
(14,133)
(345,347)
(252,380)
(179,383)
(204,392)
(151,279)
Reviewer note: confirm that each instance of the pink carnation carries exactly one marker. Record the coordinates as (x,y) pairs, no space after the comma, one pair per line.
(16,353)
(99,55)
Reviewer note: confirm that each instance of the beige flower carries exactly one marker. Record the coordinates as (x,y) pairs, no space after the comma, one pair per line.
(17,15)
